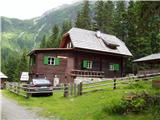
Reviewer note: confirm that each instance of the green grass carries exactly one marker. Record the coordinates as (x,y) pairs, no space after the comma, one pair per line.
(156,78)
(89,106)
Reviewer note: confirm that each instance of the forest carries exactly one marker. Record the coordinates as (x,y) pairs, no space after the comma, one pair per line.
(137,23)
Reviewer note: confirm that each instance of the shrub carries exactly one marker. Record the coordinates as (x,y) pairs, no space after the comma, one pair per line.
(138,103)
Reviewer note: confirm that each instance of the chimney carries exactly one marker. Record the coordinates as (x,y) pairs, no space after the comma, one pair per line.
(98,33)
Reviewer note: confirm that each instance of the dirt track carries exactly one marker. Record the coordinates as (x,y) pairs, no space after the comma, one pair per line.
(11,110)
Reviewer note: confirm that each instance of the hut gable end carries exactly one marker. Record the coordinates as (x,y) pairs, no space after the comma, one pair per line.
(66,41)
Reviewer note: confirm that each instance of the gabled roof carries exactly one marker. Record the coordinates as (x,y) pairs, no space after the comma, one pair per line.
(86,39)
(151,57)
(2,75)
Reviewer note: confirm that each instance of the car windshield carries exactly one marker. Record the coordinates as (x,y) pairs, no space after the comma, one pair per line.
(41,81)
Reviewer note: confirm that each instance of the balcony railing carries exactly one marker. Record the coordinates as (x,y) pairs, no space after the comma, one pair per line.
(87,73)
(150,71)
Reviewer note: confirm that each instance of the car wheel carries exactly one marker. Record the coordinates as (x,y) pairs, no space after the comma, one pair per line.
(50,94)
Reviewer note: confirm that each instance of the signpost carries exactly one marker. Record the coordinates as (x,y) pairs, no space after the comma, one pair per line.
(24,77)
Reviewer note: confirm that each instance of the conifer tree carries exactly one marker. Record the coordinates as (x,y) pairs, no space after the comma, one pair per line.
(12,68)
(104,11)
(99,16)
(66,26)
(54,39)
(120,20)
(83,18)
(43,42)
(150,23)
(23,64)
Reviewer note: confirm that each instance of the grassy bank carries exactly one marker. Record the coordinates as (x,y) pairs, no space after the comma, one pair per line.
(89,106)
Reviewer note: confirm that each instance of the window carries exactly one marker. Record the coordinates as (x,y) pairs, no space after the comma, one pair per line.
(51,60)
(32,60)
(69,45)
(87,64)
(111,67)
(114,67)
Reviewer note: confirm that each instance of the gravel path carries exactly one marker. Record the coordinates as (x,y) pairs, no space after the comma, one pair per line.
(11,110)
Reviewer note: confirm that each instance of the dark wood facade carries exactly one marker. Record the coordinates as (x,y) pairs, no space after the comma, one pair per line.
(71,59)
(148,65)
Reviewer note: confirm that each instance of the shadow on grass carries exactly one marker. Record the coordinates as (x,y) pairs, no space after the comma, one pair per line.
(41,95)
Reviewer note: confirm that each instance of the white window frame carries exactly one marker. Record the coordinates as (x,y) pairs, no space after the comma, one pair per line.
(69,45)
(90,65)
(51,60)
(111,67)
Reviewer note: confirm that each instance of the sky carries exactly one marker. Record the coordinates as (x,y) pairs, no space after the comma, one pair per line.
(27,9)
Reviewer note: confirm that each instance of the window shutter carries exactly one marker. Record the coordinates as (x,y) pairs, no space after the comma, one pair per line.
(45,60)
(116,67)
(85,63)
(31,61)
(57,61)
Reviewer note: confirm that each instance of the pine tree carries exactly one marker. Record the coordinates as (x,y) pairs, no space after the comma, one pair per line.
(150,12)
(12,68)
(104,12)
(43,42)
(83,18)
(131,40)
(66,26)
(23,64)
(54,39)
(99,15)
(120,20)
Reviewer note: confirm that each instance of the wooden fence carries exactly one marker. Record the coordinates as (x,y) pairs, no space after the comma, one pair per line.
(16,88)
(111,84)
(26,92)
(82,87)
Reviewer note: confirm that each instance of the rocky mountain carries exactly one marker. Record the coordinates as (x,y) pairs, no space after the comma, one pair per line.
(17,34)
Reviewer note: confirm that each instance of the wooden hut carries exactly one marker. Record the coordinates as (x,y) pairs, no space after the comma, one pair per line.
(151,61)
(3,79)
(82,53)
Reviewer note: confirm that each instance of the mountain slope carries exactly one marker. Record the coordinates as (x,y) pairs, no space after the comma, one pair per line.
(17,34)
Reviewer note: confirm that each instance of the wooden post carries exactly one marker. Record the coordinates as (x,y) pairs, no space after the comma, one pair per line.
(80,88)
(18,88)
(65,90)
(27,95)
(114,84)
(15,88)
(71,89)
(75,91)
(78,92)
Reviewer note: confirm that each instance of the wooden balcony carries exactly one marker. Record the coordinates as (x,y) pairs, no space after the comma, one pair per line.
(150,71)
(87,73)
